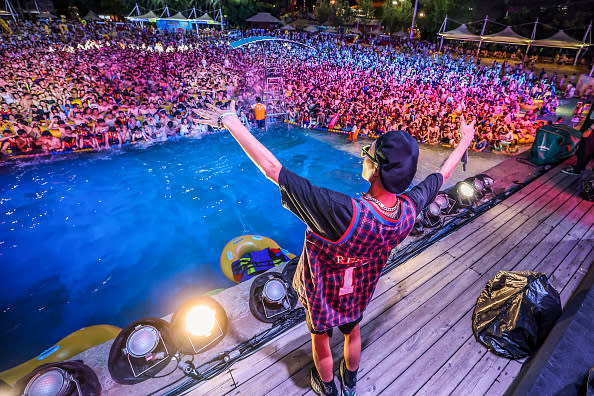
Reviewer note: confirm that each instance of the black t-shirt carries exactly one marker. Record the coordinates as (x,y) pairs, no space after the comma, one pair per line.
(328,213)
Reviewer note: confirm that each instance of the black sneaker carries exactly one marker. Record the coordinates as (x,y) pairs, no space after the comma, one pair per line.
(570,171)
(319,387)
(345,390)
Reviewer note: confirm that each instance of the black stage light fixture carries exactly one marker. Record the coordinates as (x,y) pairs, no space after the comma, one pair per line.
(199,324)
(70,378)
(271,295)
(140,351)
(465,193)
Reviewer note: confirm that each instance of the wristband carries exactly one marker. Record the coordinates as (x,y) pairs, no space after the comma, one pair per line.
(220,119)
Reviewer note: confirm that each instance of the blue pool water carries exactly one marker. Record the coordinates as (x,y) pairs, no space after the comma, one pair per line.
(111,237)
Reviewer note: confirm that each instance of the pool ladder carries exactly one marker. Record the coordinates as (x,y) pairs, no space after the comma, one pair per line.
(274,94)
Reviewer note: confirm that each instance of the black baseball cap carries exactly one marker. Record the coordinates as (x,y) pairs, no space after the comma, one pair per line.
(397,154)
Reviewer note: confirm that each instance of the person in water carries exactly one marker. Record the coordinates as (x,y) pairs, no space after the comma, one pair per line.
(348,240)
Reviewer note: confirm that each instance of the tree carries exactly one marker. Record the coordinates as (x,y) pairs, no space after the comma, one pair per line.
(397,14)
(323,11)
(366,7)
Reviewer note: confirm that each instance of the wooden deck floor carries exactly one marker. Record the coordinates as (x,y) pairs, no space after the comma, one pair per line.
(417,333)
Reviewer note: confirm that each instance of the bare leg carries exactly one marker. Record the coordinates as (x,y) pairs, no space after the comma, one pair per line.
(352,348)
(322,356)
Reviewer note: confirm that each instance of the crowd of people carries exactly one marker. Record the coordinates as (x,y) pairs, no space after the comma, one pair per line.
(73,86)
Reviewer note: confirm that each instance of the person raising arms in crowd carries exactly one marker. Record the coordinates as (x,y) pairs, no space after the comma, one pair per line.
(348,240)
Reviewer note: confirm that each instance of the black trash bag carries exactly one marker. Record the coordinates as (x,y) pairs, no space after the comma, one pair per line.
(515,313)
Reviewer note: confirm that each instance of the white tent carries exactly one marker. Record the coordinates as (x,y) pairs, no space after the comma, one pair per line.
(311,28)
(91,16)
(400,34)
(460,33)
(560,40)
(506,36)
(177,17)
(147,17)
(263,17)
(286,27)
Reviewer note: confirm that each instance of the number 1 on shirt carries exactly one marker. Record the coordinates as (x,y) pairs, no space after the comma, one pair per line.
(347,283)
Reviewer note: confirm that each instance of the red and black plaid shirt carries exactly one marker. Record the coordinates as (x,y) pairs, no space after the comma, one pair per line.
(336,280)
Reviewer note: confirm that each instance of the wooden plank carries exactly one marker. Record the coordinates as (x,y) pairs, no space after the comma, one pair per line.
(579,274)
(436,355)
(504,379)
(265,358)
(555,193)
(402,273)
(444,378)
(478,380)
(518,251)
(409,298)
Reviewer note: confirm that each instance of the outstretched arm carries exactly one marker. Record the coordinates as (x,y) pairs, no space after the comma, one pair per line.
(448,167)
(258,153)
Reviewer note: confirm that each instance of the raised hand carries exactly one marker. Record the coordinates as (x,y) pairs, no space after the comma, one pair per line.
(214,116)
(466,130)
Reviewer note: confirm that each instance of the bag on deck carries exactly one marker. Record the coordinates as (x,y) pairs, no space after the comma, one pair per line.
(515,313)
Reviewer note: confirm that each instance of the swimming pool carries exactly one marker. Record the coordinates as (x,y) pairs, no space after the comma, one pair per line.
(114,236)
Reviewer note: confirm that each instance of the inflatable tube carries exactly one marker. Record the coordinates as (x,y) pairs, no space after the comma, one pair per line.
(524,106)
(69,346)
(333,121)
(237,247)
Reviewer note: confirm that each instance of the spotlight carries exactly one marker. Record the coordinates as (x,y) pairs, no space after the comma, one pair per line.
(198,324)
(465,194)
(140,351)
(270,296)
(60,379)
(52,382)
(445,202)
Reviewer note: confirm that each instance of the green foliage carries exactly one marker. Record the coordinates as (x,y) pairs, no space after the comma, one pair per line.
(237,11)
(366,7)
(343,12)
(397,16)
(323,11)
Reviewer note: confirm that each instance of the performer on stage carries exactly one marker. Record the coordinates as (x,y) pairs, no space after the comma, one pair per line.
(348,240)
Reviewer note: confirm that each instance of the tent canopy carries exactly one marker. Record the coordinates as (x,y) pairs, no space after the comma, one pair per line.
(177,17)
(205,19)
(400,34)
(559,40)
(149,16)
(460,33)
(286,27)
(91,16)
(506,36)
(311,28)
(263,17)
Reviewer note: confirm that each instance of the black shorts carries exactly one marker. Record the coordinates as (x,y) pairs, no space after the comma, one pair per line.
(344,329)
(261,123)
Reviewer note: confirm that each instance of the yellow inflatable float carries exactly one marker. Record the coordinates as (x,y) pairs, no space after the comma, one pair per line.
(242,245)
(71,345)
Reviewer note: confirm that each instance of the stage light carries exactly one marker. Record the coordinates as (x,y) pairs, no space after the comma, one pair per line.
(140,351)
(67,378)
(198,324)
(51,382)
(465,194)
(200,321)
(270,296)
(466,190)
